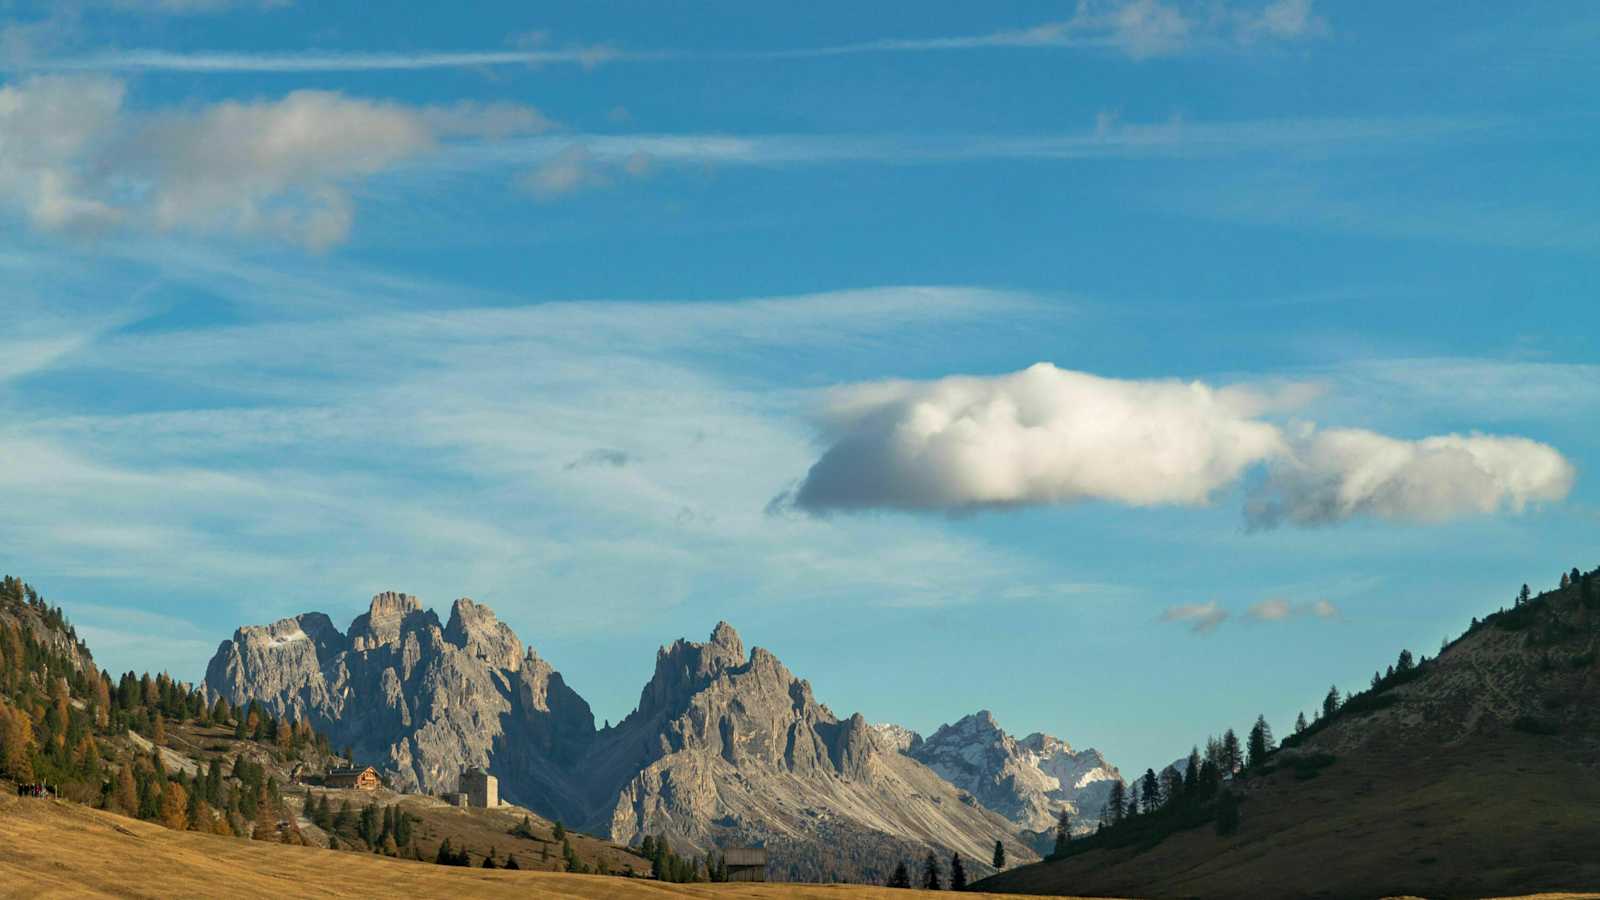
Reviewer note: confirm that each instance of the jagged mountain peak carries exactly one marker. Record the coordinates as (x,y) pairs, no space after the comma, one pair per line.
(389,614)
(725,637)
(1028,781)
(474,628)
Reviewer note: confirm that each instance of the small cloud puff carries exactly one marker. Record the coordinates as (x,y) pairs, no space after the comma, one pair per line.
(1202,618)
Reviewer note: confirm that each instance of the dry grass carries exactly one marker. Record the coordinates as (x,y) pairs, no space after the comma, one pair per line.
(53,849)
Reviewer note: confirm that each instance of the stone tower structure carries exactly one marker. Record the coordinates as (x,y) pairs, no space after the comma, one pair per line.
(481,788)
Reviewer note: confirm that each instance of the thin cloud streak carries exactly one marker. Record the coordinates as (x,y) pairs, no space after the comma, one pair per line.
(1175,139)
(295,63)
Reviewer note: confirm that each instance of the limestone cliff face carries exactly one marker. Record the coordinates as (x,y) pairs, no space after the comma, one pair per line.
(420,701)
(725,748)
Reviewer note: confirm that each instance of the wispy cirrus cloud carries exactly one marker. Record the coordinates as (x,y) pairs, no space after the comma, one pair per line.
(1107,138)
(1139,29)
(132,61)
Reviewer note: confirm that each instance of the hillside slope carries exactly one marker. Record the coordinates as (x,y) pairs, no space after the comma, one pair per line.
(1473,774)
(61,849)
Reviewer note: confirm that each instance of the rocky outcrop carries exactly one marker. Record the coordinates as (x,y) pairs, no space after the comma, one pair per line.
(1029,781)
(420,701)
(725,748)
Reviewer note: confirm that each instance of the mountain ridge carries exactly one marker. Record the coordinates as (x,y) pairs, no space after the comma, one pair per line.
(724,747)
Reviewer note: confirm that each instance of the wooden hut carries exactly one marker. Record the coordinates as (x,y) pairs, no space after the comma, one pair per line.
(362,778)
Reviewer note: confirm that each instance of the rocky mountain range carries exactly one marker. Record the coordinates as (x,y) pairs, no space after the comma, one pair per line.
(1028,780)
(726,747)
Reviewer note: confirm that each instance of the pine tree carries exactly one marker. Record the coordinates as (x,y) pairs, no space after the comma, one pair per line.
(958,873)
(1151,790)
(1524,595)
(1116,804)
(901,877)
(1191,773)
(1404,664)
(511,862)
(999,855)
(446,855)
(1260,742)
(489,861)
(930,874)
(1300,723)
(1331,703)
(559,832)
(1063,834)
(1232,757)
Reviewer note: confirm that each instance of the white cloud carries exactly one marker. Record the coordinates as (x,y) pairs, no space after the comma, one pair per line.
(1282,20)
(576,169)
(1202,618)
(1341,474)
(1043,435)
(1051,436)
(1278,609)
(71,157)
(1146,28)
(51,128)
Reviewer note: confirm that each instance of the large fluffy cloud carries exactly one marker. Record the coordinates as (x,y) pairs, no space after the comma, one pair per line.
(1042,435)
(72,157)
(1047,435)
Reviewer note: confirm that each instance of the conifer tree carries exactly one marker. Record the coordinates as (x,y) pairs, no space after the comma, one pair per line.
(446,855)
(1063,834)
(489,861)
(1300,723)
(999,855)
(1116,804)
(1260,742)
(511,863)
(1150,790)
(930,873)
(958,873)
(901,877)
(1331,703)
(1191,773)
(1232,757)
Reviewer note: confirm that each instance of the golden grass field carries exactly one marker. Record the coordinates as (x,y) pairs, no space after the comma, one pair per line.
(55,849)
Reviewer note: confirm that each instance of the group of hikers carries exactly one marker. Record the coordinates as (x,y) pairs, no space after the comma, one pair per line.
(37,789)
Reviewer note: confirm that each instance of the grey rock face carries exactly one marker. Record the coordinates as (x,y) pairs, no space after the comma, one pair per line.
(1029,781)
(724,748)
(419,701)
(728,750)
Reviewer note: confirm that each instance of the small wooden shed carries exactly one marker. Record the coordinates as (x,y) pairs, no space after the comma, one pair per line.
(746,863)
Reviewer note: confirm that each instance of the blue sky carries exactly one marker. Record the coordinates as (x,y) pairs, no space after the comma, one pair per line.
(558,309)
